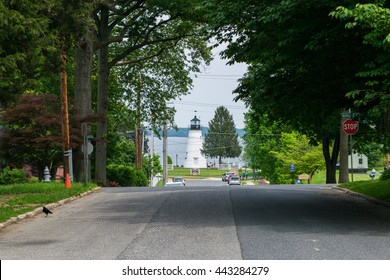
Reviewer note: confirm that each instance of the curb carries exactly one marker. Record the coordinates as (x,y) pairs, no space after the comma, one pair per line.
(360,195)
(38,210)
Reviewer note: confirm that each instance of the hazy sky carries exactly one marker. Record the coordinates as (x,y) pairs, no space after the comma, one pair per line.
(212,88)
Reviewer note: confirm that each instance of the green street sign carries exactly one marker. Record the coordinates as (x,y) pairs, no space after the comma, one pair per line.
(349,115)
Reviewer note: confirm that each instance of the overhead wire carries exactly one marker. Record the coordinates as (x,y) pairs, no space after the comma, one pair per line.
(202,104)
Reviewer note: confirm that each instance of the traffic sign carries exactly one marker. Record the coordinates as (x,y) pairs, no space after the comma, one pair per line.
(350,126)
(89,148)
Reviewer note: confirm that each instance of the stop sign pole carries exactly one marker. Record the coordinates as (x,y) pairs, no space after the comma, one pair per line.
(350,127)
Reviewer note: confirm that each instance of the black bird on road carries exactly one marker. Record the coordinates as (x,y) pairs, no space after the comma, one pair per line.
(46,211)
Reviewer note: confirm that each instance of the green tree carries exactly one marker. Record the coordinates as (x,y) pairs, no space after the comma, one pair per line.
(302,63)
(297,149)
(374,152)
(26,44)
(121,151)
(373,21)
(221,140)
(169,160)
(147,166)
(271,147)
(134,31)
(261,138)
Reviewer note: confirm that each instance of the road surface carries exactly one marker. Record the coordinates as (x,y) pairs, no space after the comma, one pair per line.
(206,220)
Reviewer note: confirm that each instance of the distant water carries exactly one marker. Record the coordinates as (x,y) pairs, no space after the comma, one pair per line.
(177,147)
(183,132)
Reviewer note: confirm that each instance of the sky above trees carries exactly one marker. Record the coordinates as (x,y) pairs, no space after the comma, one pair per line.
(212,88)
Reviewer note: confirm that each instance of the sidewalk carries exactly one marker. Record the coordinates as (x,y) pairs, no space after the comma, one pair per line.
(250,183)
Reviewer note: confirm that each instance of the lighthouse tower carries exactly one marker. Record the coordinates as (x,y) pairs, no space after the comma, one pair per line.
(194,159)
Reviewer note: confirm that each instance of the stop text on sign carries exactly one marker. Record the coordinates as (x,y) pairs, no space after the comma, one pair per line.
(350,126)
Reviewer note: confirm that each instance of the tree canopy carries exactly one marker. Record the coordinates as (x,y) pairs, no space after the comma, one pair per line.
(161,40)
(373,19)
(302,63)
(24,42)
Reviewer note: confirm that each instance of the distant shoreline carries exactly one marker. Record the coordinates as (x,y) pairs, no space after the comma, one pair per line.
(183,132)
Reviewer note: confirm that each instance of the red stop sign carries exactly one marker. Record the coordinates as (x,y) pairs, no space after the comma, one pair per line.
(350,126)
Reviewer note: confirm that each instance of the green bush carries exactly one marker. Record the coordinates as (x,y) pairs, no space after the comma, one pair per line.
(141,179)
(385,175)
(14,176)
(120,173)
(126,175)
(33,180)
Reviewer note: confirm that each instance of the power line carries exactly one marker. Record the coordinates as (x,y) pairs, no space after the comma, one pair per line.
(200,104)
(217,78)
(222,133)
(270,134)
(217,75)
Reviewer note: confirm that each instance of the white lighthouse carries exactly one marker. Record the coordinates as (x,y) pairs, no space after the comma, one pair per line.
(194,158)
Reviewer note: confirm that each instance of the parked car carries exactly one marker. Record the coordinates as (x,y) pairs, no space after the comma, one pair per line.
(179,180)
(226,176)
(234,180)
(176,182)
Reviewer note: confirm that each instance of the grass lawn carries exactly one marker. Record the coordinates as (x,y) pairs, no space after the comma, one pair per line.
(320,177)
(376,189)
(22,198)
(204,172)
(362,183)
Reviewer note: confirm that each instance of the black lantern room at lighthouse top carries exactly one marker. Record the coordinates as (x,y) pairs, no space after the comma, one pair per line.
(195,124)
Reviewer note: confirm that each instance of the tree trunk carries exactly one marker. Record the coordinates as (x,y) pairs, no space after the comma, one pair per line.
(330,159)
(138,147)
(344,172)
(386,122)
(139,133)
(102,101)
(83,93)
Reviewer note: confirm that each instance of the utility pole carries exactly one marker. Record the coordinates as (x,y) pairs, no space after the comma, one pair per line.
(165,148)
(152,159)
(84,132)
(139,147)
(165,154)
(65,115)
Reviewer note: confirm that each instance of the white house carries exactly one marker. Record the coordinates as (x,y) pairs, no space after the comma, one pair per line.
(359,162)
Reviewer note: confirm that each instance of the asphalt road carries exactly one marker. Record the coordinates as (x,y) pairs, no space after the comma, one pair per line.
(206,220)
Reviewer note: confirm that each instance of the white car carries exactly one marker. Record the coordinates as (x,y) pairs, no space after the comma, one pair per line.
(179,180)
(234,180)
(176,182)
